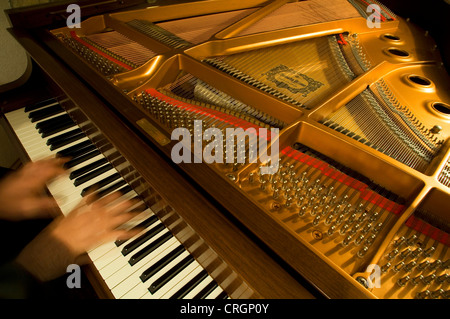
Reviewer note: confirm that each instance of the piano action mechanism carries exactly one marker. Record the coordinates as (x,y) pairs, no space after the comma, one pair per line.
(359,204)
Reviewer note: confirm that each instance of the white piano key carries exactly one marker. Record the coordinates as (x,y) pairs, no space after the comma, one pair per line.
(116,253)
(199,287)
(136,270)
(122,278)
(217,291)
(122,261)
(138,288)
(179,281)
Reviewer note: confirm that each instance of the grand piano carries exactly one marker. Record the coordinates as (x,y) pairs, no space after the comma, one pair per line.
(351,100)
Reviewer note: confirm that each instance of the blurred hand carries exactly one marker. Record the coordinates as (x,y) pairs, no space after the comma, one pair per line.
(22,192)
(67,239)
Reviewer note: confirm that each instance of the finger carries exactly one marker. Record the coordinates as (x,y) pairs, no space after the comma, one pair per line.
(106,200)
(120,234)
(120,221)
(44,207)
(43,171)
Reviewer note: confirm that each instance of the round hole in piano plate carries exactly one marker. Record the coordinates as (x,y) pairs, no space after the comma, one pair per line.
(420,83)
(390,37)
(398,52)
(441,108)
(420,80)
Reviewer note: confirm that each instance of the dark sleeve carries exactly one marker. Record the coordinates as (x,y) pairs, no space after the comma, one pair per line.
(16,282)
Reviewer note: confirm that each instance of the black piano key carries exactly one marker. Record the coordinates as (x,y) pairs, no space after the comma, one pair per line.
(142,239)
(100,184)
(87,177)
(163,262)
(110,189)
(149,248)
(142,225)
(80,159)
(64,136)
(125,189)
(40,104)
(64,140)
(72,149)
(187,288)
(45,112)
(206,291)
(175,270)
(222,295)
(53,121)
(87,168)
(56,129)
(79,152)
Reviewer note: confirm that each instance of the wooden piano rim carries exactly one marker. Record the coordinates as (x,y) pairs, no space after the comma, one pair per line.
(257,263)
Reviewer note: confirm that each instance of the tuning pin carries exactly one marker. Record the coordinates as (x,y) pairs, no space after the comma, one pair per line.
(403,281)
(385,267)
(416,252)
(302,211)
(354,229)
(362,252)
(344,228)
(300,201)
(423,265)
(412,240)
(263,185)
(435,264)
(446,264)
(314,210)
(428,252)
(276,193)
(442,278)
(316,220)
(408,267)
(399,241)
(339,219)
(392,254)
(374,217)
(288,201)
(417,280)
(399,266)
(329,219)
(370,239)
(377,228)
(405,253)
(362,217)
(359,239)
(251,177)
(331,230)
(347,240)
(437,293)
(366,228)
(423,294)
(428,279)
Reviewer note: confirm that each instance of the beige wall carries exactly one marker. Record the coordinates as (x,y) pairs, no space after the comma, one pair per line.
(13,65)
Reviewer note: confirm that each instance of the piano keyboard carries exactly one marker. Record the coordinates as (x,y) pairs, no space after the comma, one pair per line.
(151,265)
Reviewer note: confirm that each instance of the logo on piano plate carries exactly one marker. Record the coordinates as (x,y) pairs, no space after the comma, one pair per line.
(292,80)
